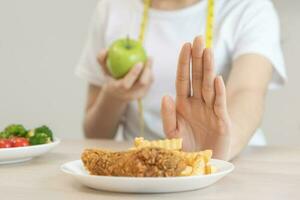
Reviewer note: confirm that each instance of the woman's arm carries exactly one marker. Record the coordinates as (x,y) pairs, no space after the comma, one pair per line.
(103,113)
(106,104)
(246,89)
(210,116)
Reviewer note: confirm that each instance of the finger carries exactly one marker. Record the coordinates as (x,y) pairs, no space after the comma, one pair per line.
(197,61)
(220,105)
(183,72)
(133,75)
(102,57)
(208,91)
(168,115)
(146,76)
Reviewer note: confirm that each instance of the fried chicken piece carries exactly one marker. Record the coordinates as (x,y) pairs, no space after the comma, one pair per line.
(145,162)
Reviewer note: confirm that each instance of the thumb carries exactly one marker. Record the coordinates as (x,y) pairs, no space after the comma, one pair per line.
(102,57)
(168,115)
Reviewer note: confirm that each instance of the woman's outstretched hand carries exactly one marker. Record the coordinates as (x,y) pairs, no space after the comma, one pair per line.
(199,115)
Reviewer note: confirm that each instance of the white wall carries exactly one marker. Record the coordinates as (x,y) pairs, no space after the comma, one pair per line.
(282,118)
(40,42)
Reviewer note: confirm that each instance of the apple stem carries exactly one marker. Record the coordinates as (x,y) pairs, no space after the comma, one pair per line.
(128,42)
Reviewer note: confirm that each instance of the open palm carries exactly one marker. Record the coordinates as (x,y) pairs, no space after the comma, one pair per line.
(199,115)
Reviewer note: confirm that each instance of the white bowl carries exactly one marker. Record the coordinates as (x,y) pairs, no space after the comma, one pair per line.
(22,154)
(146,184)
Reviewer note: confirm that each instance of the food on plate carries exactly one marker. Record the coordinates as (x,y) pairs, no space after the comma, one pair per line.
(14,142)
(162,158)
(5,143)
(16,135)
(14,130)
(19,142)
(140,163)
(170,144)
(40,135)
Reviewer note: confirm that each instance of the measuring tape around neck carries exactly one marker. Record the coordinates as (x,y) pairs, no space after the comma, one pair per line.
(145,19)
(209,22)
(208,41)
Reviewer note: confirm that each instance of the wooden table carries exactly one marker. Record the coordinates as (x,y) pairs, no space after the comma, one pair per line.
(261,173)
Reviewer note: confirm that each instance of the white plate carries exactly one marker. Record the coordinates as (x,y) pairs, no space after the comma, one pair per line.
(146,184)
(22,154)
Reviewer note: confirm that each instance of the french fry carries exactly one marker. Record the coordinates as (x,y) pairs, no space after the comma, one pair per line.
(169,144)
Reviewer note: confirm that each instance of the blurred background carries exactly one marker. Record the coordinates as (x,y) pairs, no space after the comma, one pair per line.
(40,44)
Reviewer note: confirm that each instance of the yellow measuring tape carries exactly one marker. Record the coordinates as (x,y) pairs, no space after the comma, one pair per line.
(209,36)
(144,23)
(145,19)
(208,41)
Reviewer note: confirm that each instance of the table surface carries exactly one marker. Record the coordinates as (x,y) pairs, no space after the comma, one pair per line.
(261,173)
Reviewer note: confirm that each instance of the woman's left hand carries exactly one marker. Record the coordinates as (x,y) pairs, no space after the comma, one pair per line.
(200,114)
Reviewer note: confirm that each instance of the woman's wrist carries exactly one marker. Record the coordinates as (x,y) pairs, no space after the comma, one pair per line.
(111,96)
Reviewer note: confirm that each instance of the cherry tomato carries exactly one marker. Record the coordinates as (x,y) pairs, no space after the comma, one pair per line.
(19,142)
(5,143)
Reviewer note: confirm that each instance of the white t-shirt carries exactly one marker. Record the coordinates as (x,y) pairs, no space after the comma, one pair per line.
(241,27)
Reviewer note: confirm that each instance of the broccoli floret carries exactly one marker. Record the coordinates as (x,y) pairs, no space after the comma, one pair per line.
(4,135)
(44,129)
(15,130)
(40,135)
(39,138)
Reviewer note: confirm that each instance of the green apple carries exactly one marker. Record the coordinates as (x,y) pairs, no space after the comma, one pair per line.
(123,54)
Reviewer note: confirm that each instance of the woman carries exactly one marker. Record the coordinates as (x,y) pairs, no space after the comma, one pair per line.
(247,54)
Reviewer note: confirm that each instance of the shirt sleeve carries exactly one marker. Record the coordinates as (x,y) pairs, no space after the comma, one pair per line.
(259,32)
(88,67)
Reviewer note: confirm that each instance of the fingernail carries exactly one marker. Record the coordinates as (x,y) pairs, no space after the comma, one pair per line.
(220,80)
(139,66)
(187,45)
(103,53)
(199,38)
